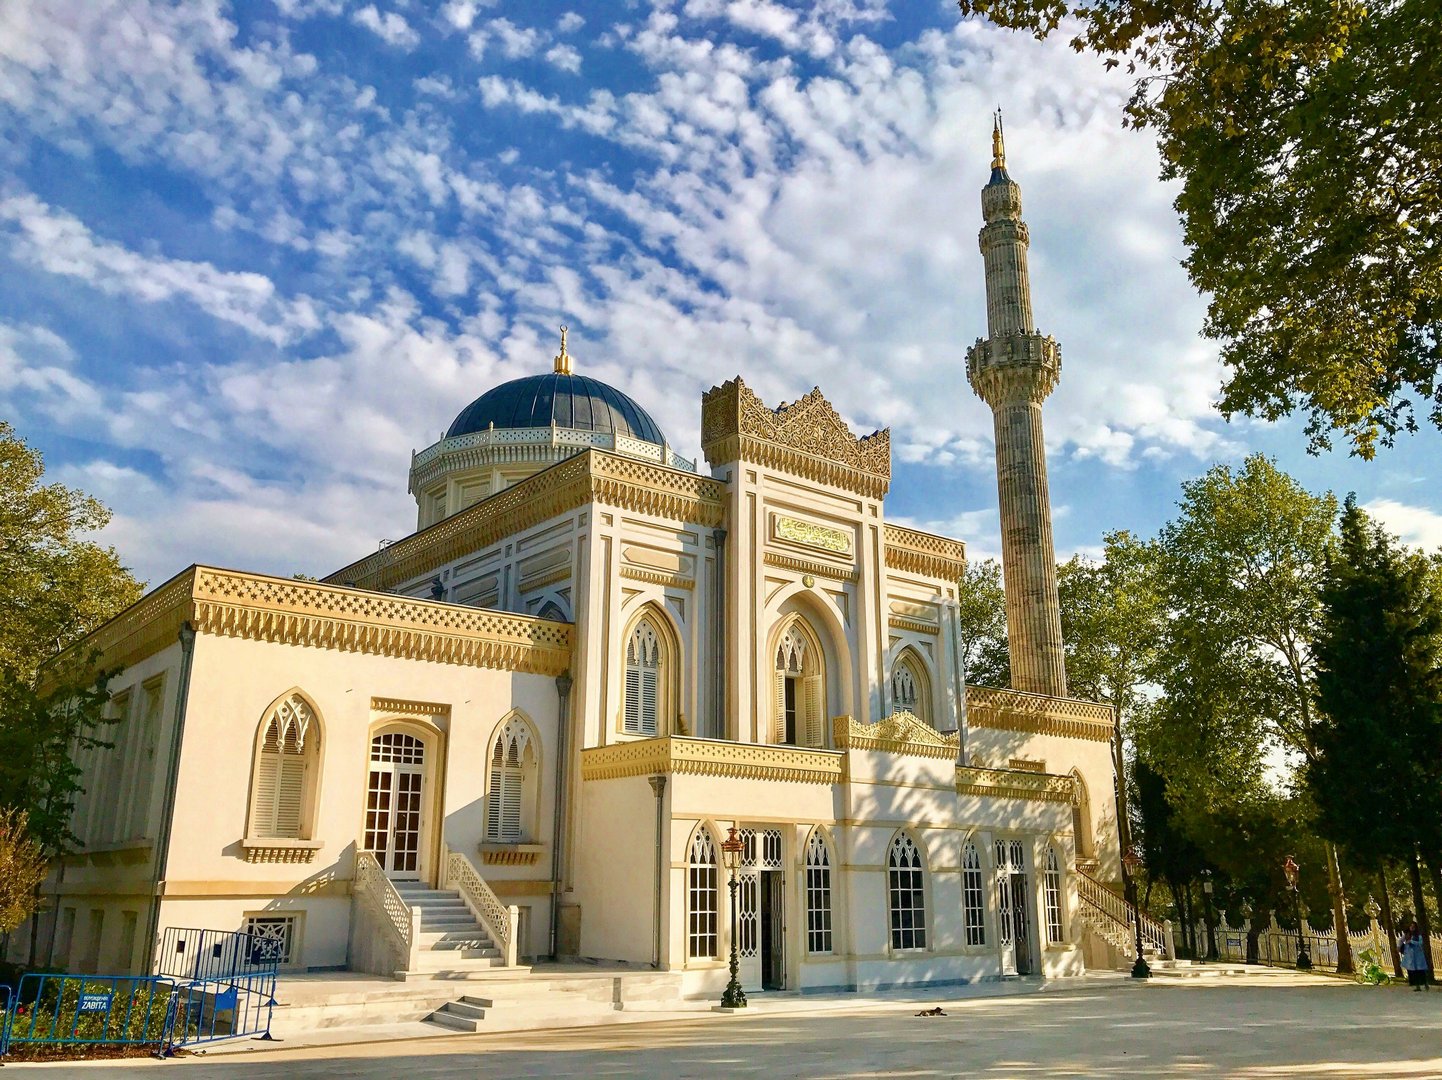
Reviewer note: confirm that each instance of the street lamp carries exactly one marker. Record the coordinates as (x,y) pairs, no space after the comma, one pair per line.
(1292,872)
(1131,862)
(734,997)
(1211,919)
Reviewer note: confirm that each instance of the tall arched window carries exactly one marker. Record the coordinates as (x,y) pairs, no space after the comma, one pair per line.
(818,894)
(650,678)
(1081,819)
(906,889)
(285,764)
(973,895)
(512,793)
(702,898)
(1051,881)
(910,686)
(799,696)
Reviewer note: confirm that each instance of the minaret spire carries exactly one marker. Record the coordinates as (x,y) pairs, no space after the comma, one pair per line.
(563,358)
(1013,370)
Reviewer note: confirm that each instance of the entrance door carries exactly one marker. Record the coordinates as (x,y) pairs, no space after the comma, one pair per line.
(393,804)
(759,907)
(773,930)
(1011,908)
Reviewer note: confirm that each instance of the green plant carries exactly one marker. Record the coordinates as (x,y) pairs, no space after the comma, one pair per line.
(1369,971)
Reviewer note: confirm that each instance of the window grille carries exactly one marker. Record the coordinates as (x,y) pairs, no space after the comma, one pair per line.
(286,747)
(702,899)
(272,938)
(903,687)
(818,895)
(973,896)
(643,679)
(907,895)
(1052,883)
(505,799)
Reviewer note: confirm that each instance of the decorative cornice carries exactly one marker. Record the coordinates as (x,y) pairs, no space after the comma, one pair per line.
(141,630)
(896,622)
(807,566)
(1015,784)
(498,854)
(927,555)
(1012,710)
(658,577)
(402,707)
(807,438)
(591,476)
(707,757)
(550,577)
(900,733)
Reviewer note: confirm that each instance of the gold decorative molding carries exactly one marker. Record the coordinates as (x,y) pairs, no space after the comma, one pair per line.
(540,581)
(911,551)
(709,757)
(900,733)
(658,577)
(1025,765)
(1015,784)
(916,626)
(141,630)
(260,850)
(807,566)
(401,707)
(807,438)
(592,476)
(498,854)
(1012,710)
(810,534)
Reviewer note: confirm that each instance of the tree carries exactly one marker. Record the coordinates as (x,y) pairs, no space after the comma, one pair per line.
(22,870)
(1243,567)
(981,610)
(1307,136)
(1111,616)
(1377,768)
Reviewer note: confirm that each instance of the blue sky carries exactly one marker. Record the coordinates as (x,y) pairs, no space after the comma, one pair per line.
(253,254)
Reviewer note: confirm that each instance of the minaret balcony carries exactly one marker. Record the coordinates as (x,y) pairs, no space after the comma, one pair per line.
(1014,367)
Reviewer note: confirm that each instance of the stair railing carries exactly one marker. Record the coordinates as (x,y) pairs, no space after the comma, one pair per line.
(402,922)
(1105,901)
(500,920)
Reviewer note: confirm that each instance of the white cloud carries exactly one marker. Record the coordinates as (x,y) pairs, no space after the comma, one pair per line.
(564,57)
(388,26)
(569,23)
(1416,525)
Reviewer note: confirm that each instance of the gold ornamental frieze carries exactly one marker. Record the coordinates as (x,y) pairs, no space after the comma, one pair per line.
(710,757)
(1015,784)
(900,733)
(1011,710)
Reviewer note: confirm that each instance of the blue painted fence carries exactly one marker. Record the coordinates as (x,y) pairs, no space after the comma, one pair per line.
(76,1009)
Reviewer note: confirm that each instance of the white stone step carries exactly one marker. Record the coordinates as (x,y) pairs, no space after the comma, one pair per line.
(463,1015)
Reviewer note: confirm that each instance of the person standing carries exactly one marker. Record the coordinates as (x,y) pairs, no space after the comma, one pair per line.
(1414,958)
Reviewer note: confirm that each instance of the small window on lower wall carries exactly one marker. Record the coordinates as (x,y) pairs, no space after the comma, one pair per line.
(818,895)
(1052,882)
(973,896)
(273,939)
(906,895)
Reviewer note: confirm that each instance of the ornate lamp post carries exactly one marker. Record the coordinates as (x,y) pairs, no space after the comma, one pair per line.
(1211,918)
(734,997)
(1131,862)
(1293,871)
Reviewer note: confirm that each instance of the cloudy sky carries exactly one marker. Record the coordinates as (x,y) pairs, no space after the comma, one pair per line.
(253,254)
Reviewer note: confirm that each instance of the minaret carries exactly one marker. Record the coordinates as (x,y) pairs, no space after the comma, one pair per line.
(1013,370)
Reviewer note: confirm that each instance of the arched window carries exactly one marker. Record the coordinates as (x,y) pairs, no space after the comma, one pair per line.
(910,686)
(552,610)
(1051,880)
(906,890)
(648,691)
(973,895)
(512,794)
(285,765)
(818,894)
(1081,819)
(799,696)
(702,898)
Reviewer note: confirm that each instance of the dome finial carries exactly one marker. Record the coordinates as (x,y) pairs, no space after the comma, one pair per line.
(998,147)
(563,358)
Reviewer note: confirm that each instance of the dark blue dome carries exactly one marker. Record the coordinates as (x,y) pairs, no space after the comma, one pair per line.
(568,401)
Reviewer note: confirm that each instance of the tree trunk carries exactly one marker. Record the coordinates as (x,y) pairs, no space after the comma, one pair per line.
(1419,901)
(1388,923)
(1434,865)
(1119,768)
(1339,912)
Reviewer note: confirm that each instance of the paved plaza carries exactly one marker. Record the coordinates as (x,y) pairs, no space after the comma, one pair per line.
(1263,1026)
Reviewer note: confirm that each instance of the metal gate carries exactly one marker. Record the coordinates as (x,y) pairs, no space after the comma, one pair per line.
(760,857)
(225,983)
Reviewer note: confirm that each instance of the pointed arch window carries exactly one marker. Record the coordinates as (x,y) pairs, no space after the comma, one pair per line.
(511,795)
(818,895)
(799,695)
(910,686)
(973,895)
(702,898)
(282,790)
(1051,882)
(645,661)
(906,894)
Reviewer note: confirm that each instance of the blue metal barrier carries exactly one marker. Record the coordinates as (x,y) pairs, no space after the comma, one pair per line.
(229,987)
(72,1009)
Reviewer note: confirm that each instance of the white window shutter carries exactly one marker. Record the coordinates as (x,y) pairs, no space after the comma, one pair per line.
(811,704)
(779,696)
(648,701)
(511,805)
(633,699)
(289,796)
(493,803)
(266,784)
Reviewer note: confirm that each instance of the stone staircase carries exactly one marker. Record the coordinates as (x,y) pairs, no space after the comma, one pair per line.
(452,943)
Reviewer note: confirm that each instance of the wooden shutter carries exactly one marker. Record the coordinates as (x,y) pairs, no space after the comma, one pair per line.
(289,795)
(266,783)
(810,732)
(633,698)
(779,707)
(511,804)
(649,703)
(493,801)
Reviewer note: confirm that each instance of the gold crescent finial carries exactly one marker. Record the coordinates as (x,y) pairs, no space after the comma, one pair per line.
(998,148)
(563,358)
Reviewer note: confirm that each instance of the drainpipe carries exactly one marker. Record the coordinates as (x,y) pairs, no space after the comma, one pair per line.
(172,772)
(718,720)
(563,723)
(958,674)
(658,785)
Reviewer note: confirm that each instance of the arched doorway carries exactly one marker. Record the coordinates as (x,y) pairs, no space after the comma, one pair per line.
(395,803)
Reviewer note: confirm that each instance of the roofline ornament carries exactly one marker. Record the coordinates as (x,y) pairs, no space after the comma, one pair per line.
(563,358)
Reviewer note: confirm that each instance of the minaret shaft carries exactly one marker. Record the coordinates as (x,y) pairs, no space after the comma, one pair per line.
(1013,370)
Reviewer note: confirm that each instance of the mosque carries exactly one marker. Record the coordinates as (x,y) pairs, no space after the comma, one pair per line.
(528,729)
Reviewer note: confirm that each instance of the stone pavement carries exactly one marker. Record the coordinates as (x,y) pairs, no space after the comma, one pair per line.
(1261,1027)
